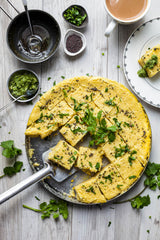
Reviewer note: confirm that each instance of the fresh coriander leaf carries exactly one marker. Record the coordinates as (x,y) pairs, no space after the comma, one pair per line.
(118,66)
(49,78)
(103,54)
(106,89)
(140,202)
(109,224)
(54,208)
(62,77)
(54,83)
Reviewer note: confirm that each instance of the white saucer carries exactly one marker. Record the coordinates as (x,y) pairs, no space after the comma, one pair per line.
(145,36)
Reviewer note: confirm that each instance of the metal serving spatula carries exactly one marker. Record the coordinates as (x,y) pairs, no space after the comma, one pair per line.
(59,174)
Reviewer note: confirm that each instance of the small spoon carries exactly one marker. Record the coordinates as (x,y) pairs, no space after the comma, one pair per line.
(34,42)
(29,93)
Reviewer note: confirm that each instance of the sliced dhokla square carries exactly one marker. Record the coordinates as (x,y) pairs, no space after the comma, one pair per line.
(110,182)
(74,131)
(129,167)
(63,154)
(152,55)
(41,128)
(62,113)
(89,159)
(89,192)
(109,147)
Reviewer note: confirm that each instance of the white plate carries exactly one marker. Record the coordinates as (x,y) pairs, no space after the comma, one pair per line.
(145,36)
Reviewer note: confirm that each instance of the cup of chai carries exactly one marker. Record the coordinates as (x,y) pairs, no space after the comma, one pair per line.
(125,12)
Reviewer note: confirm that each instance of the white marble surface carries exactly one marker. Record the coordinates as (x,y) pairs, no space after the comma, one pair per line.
(84,223)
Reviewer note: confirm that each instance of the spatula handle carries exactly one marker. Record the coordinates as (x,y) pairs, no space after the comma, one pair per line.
(26,183)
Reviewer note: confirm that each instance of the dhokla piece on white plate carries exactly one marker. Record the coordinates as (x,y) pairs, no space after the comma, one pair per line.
(149,54)
(89,159)
(63,154)
(110,182)
(74,131)
(89,192)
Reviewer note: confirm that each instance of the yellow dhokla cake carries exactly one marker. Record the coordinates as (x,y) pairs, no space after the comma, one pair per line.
(89,160)
(116,124)
(63,154)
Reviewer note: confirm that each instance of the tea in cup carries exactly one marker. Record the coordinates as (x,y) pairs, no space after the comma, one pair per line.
(125,12)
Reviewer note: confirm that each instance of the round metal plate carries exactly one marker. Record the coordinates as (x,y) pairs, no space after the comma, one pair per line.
(62,190)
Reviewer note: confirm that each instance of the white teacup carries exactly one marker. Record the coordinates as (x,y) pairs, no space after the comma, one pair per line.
(116,20)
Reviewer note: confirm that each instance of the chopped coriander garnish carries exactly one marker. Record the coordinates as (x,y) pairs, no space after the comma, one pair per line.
(132,177)
(58,157)
(74,15)
(54,83)
(121,150)
(64,92)
(78,129)
(87,74)
(108,177)
(158,196)
(106,89)
(49,78)
(76,118)
(150,217)
(91,189)
(90,164)
(119,186)
(103,54)
(97,167)
(118,66)
(148,231)
(131,158)
(54,208)
(61,115)
(62,77)
(111,102)
(77,106)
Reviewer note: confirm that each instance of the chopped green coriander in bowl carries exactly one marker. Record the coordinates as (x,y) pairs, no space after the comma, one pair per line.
(76,16)
(20,81)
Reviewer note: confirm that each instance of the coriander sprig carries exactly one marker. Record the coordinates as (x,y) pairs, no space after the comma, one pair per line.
(10,151)
(152,182)
(54,208)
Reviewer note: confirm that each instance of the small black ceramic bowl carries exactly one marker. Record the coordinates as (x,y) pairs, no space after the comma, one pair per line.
(44,26)
(82,13)
(22,72)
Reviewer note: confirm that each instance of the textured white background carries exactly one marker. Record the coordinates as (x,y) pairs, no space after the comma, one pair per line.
(84,223)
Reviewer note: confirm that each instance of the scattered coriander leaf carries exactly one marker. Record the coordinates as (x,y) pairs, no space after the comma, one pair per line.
(63,77)
(140,202)
(54,208)
(109,224)
(49,78)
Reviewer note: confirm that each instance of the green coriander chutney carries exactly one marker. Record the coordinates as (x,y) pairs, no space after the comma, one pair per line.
(22,81)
